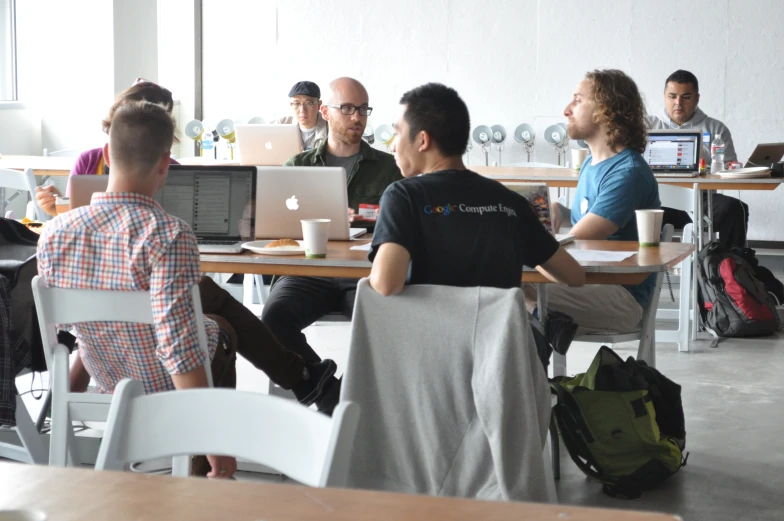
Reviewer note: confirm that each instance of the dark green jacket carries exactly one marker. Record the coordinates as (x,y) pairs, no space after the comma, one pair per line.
(369,178)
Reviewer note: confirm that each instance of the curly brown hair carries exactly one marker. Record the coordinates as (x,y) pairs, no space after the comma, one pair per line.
(142,90)
(620,107)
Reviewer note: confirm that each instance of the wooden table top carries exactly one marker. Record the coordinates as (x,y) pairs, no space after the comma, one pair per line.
(566,177)
(554,177)
(70,494)
(341,261)
(41,165)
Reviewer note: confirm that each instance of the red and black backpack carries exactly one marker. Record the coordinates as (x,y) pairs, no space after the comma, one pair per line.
(734,302)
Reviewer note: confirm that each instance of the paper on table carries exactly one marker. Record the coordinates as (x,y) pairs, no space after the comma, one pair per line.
(362,247)
(600,255)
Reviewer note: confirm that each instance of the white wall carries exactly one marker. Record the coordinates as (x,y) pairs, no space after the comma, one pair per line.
(513,61)
(135,39)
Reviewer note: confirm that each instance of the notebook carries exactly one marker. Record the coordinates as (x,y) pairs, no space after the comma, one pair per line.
(82,188)
(674,152)
(539,197)
(215,201)
(286,195)
(267,145)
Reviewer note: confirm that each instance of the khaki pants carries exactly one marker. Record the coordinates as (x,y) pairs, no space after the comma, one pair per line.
(596,307)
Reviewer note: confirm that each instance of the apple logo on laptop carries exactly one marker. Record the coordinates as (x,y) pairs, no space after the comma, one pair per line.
(268,145)
(291,203)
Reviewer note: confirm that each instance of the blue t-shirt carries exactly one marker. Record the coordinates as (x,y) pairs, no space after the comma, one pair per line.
(614,189)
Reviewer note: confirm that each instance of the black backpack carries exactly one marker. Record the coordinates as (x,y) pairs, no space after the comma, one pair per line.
(18,264)
(733,301)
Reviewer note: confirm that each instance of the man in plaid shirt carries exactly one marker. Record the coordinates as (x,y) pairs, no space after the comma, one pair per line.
(125,241)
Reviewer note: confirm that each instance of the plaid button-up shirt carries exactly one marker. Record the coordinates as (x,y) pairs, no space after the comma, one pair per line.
(127,242)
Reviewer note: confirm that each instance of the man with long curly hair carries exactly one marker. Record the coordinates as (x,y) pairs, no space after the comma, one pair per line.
(607,112)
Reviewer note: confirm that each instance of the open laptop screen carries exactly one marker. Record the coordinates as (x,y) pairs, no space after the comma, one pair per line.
(215,201)
(673,151)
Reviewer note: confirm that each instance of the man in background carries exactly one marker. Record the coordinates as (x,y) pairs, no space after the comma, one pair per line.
(305,103)
(681,97)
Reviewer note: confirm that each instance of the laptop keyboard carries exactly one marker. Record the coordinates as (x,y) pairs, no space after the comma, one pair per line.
(211,242)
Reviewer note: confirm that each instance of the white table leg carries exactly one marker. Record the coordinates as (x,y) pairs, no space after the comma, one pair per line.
(698,214)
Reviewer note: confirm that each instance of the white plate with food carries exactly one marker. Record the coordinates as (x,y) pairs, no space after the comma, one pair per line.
(276,247)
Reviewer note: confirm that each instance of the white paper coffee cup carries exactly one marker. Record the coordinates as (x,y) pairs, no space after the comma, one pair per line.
(649,226)
(578,158)
(315,234)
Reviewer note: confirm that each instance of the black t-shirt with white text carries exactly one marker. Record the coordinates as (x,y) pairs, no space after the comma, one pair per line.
(462,229)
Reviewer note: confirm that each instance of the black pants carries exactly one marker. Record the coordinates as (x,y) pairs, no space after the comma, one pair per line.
(296,302)
(730,218)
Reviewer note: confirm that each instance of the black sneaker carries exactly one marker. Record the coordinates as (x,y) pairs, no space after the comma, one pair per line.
(314,376)
(560,330)
(330,397)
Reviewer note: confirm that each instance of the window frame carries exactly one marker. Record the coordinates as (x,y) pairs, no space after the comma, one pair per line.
(14,94)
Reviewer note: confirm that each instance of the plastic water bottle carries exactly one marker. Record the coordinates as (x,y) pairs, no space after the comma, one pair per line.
(717,154)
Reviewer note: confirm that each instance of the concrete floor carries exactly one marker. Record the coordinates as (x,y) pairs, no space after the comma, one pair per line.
(734,420)
(733,398)
(735,434)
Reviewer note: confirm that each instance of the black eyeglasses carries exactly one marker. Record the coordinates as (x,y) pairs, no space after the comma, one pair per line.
(348,110)
(307,104)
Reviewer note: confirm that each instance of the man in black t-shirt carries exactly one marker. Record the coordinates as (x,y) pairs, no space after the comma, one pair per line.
(453,226)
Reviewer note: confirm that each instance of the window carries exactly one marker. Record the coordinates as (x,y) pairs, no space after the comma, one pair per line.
(7,50)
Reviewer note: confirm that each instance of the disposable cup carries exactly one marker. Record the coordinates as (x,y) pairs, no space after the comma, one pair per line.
(649,226)
(578,158)
(315,234)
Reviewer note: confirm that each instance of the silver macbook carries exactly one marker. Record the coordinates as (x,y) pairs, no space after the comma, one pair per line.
(674,152)
(765,154)
(538,195)
(285,195)
(267,145)
(82,187)
(215,201)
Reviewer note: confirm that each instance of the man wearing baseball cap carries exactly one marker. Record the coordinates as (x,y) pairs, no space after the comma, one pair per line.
(305,104)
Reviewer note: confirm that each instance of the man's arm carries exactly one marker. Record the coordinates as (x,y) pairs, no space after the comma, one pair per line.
(175,272)
(390,268)
(591,226)
(562,267)
(729,146)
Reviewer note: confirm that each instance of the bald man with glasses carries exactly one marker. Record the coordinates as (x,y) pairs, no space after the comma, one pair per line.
(305,103)
(294,303)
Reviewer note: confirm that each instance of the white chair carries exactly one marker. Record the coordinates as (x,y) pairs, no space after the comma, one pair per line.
(456,404)
(21,180)
(32,449)
(645,333)
(71,306)
(688,200)
(307,446)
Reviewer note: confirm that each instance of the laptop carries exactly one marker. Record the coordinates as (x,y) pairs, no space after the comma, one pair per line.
(267,145)
(765,154)
(285,195)
(674,152)
(215,201)
(82,188)
(539,197)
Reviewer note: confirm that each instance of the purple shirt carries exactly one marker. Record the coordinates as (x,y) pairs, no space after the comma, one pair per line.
(90,162)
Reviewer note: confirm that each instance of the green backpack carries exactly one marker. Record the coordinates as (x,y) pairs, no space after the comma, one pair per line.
(622,423)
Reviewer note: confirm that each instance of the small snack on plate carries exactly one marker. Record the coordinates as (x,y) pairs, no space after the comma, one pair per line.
(283,243)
